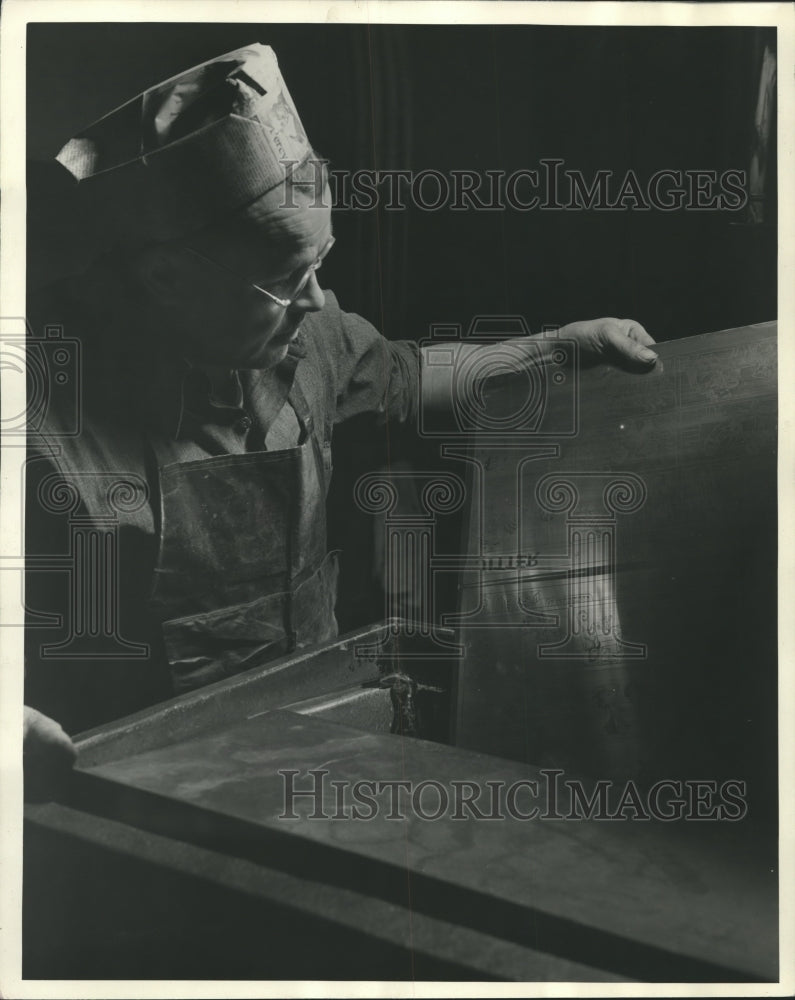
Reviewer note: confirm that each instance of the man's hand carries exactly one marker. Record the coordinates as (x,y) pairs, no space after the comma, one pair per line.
(622,341)
(48,756)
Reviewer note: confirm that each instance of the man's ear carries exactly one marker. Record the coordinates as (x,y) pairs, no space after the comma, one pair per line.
(163,274)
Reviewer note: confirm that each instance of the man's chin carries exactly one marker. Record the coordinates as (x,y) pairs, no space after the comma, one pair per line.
(263,353)
(272,354)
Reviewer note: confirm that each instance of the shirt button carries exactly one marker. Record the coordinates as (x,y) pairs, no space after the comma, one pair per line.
(243,424)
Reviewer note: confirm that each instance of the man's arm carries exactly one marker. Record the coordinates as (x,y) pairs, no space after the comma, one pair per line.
(371,374)
(623,341)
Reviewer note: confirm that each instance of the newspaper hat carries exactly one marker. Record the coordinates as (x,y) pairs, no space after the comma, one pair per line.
(189,152)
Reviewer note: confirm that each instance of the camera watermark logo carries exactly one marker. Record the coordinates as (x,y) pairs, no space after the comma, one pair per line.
(42,399)
(44,371)
(543,376)
(500,402)
(42,374)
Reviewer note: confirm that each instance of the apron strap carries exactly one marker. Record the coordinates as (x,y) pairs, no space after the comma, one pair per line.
(297,399)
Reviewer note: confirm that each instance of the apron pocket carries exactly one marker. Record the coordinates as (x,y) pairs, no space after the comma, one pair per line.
(207,647)
(210,646)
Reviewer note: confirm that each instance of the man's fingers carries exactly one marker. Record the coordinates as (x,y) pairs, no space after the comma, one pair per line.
(638,333)
(626,348)
(44,735)
(48,755)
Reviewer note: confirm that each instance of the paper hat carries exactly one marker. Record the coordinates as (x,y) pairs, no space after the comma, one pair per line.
(190,151)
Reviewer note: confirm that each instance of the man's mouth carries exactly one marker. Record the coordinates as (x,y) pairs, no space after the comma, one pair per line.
(289,334)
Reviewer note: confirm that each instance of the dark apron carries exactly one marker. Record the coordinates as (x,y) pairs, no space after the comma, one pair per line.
(242,574)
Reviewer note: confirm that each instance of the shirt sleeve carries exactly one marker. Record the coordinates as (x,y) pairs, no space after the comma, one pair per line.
(370,373)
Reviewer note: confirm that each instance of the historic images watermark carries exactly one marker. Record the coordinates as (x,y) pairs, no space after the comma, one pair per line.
(513,399)
(550,796)
(45,369)
(549,186)
(521,426)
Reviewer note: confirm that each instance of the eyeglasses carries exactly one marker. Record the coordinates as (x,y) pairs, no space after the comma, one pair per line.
(300,285)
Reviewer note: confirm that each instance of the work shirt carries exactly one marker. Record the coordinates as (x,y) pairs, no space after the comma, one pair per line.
(92,480)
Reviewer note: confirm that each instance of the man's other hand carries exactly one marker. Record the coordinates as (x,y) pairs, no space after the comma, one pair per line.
(48,756)
(622,341)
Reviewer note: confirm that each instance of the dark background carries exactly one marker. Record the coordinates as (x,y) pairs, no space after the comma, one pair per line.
(481,98)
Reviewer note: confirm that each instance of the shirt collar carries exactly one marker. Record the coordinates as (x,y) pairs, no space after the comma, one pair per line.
(172,390)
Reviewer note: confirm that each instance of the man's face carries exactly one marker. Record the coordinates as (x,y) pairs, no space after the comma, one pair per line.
(216,312)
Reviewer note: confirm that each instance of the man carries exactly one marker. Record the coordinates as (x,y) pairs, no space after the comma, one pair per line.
(214,369)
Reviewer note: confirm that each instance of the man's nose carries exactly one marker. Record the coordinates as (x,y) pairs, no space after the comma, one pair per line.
(311,297)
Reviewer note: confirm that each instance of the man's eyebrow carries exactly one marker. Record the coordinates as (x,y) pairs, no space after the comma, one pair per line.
(296,261)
